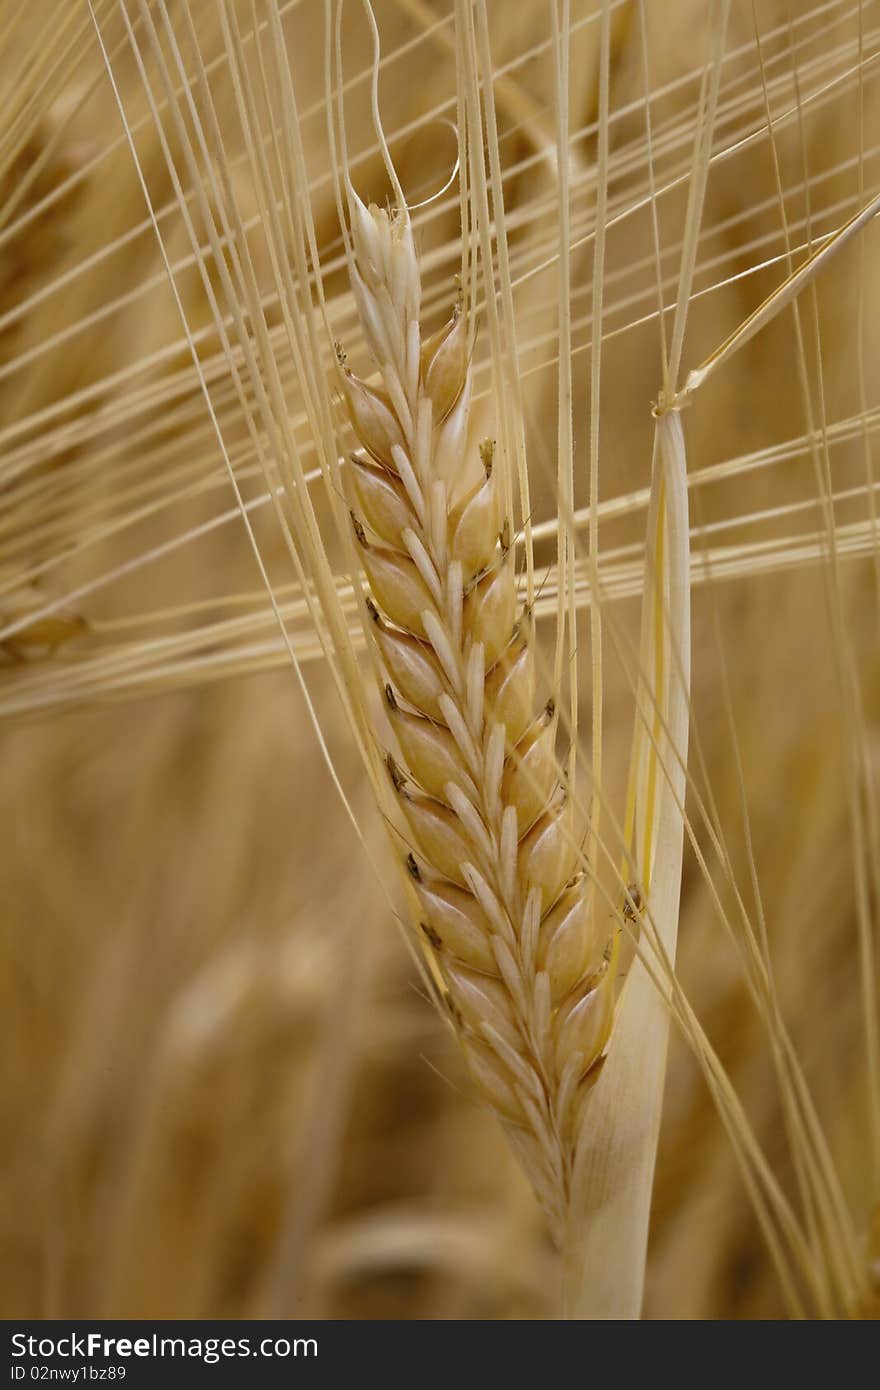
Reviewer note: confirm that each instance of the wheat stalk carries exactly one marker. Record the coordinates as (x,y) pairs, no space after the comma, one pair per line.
(498,882)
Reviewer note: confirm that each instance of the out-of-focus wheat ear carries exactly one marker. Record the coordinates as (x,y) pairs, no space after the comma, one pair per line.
(36,634)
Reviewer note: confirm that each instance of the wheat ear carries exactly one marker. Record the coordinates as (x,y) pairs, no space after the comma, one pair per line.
(496,874)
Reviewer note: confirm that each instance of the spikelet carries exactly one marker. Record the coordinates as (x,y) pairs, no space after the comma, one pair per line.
(500,894)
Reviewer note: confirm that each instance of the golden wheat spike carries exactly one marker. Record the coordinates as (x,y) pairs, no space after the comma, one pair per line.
(499,887)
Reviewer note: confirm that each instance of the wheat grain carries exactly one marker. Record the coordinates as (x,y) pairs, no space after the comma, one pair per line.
(502,899)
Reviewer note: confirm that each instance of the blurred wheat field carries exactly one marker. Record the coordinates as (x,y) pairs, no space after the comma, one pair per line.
(223,1091)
